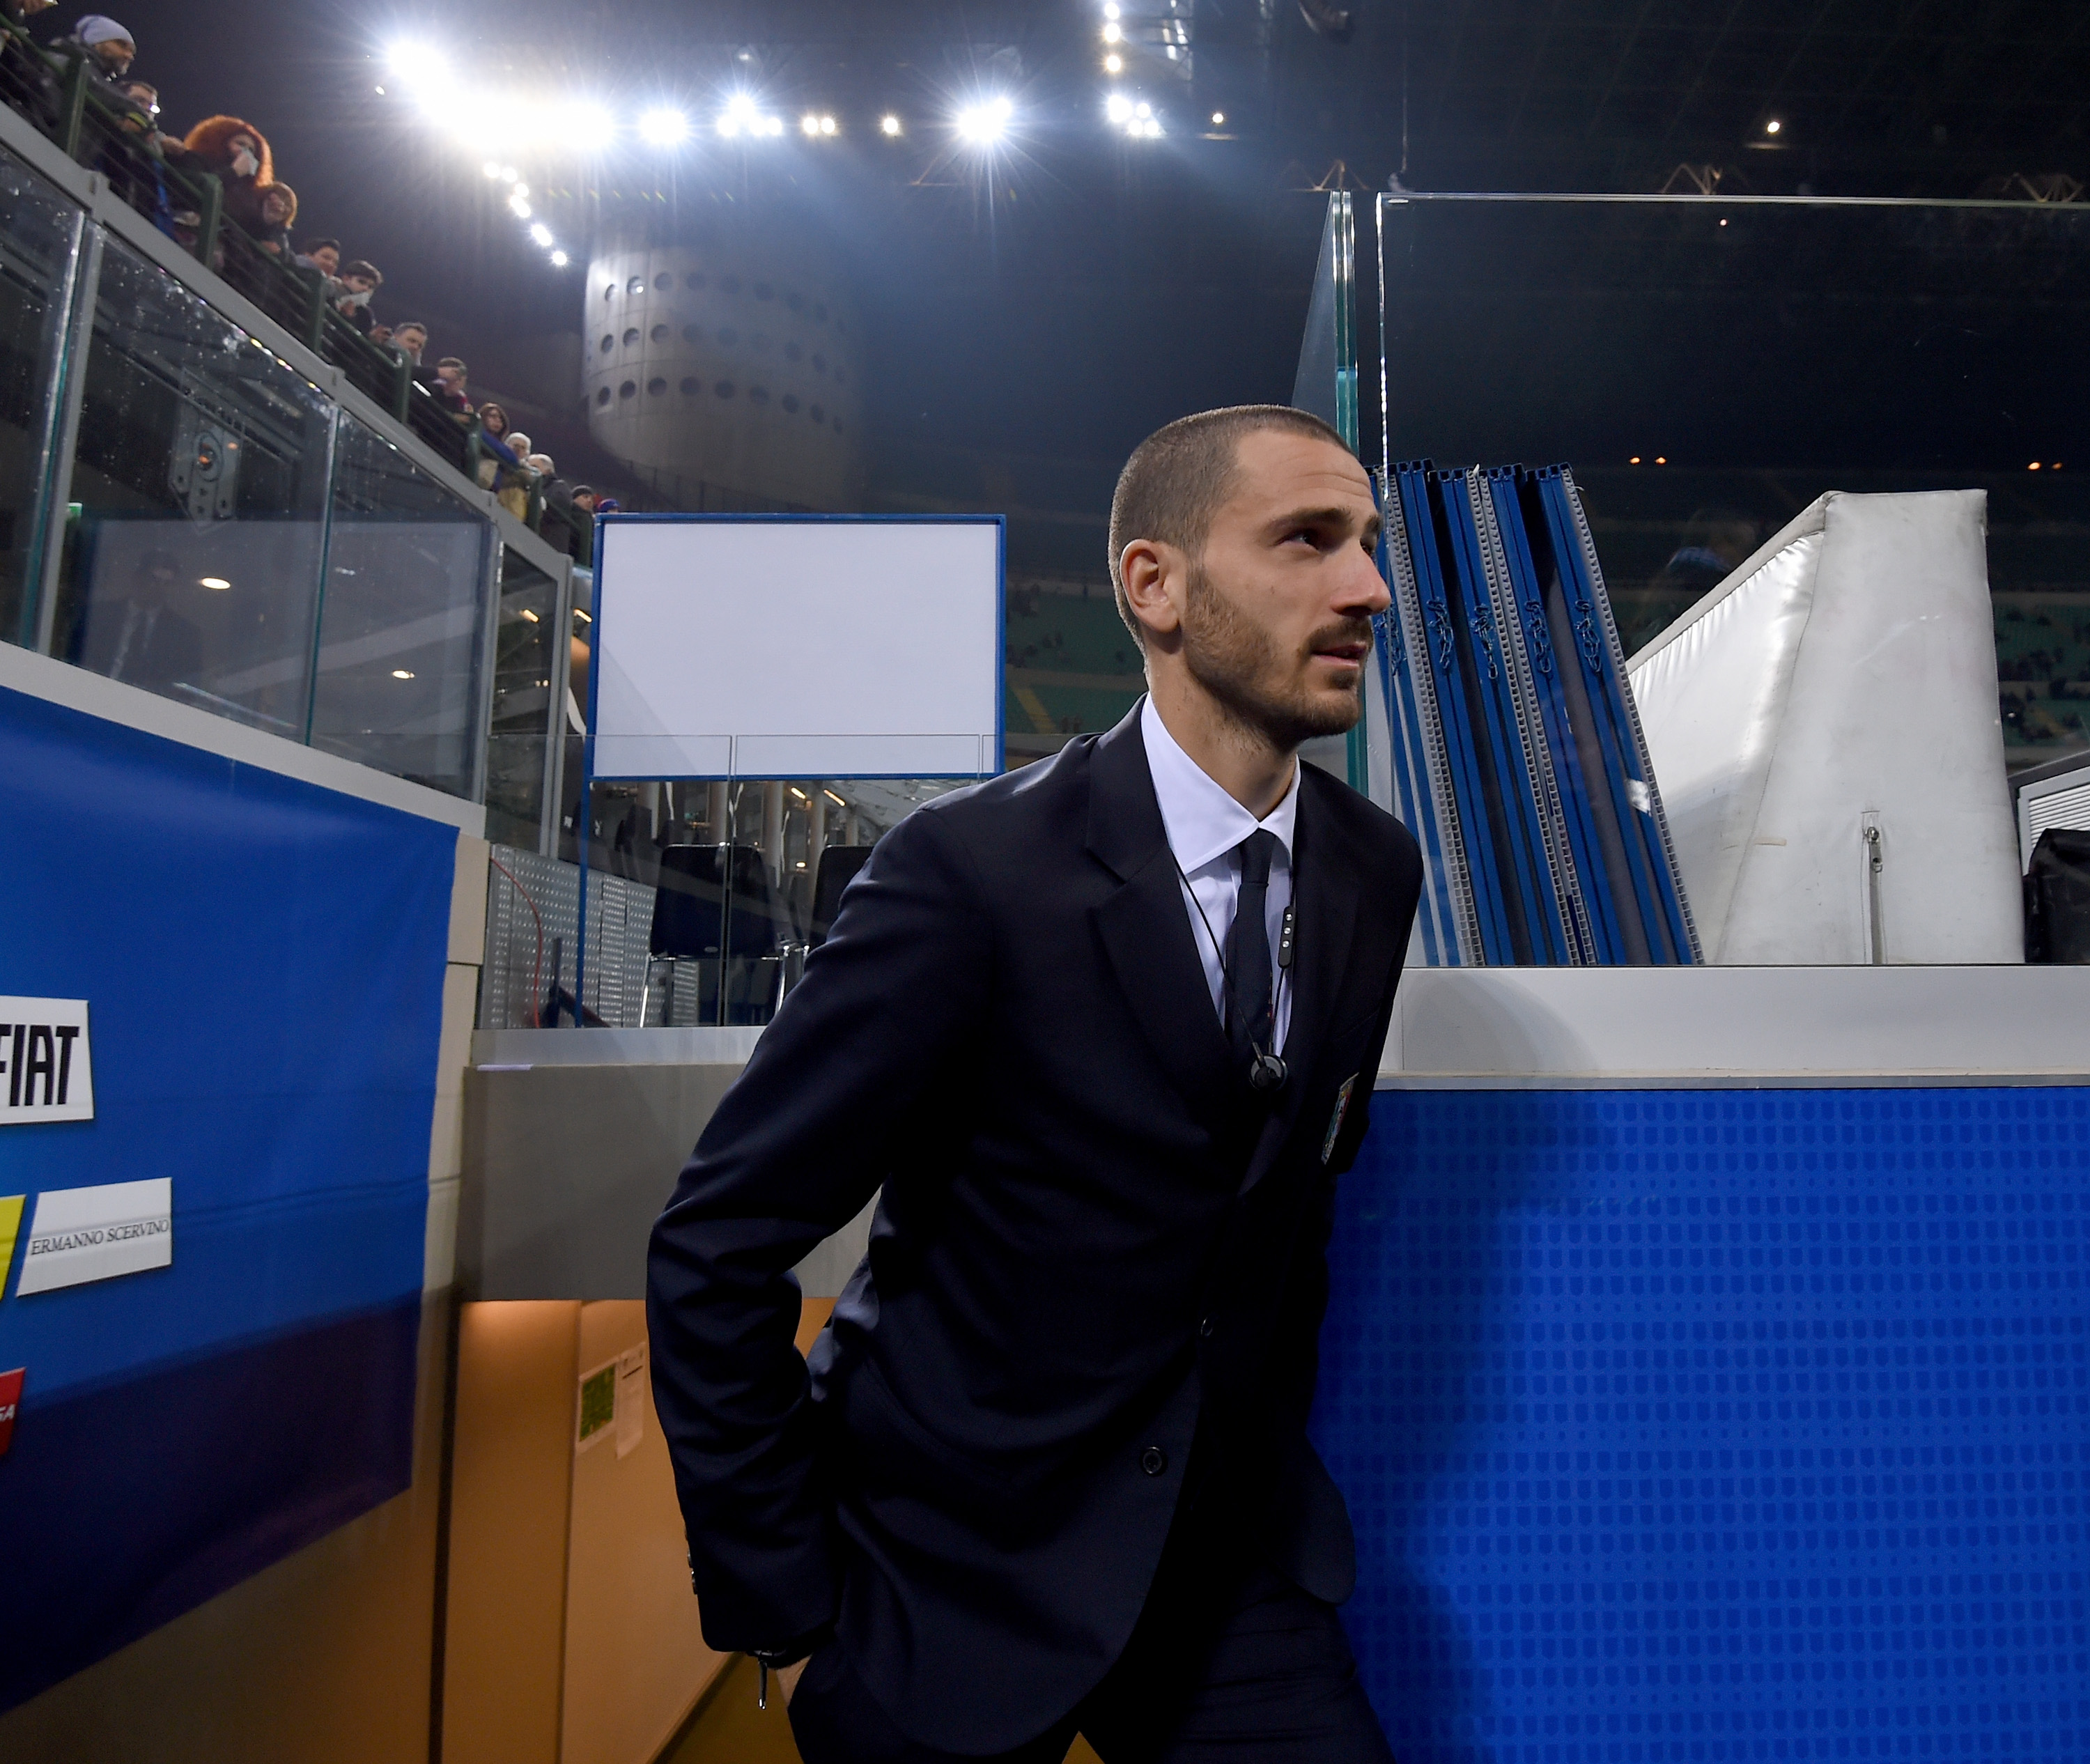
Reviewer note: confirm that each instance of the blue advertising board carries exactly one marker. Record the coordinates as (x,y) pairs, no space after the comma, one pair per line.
(215,1236)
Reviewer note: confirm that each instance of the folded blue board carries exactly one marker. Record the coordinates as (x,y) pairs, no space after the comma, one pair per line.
(1517,756)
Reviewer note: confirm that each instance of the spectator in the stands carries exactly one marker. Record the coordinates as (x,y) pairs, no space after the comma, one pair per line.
(359,281)
(109,49)
(449,386)
(236,154)
(410,339)
(279,209)
(493,448)
(139,181)
(323,255)
(512,488)
(607,504)
(584,498)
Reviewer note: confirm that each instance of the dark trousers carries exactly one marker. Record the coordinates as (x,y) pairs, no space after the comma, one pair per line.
(1233,1663)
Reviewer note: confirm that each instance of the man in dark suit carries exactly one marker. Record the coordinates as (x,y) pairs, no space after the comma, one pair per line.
(139,635)
(1105,1031)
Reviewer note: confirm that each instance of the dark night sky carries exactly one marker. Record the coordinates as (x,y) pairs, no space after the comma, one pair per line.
(1091,290)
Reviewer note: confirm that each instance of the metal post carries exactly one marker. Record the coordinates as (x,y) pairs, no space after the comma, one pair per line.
(72,107)
(50,420)
(209,217)
(80,331)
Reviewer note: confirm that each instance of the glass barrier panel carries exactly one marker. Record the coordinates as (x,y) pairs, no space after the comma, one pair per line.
(191,565)
(40,233)
(525,674)
(402,634)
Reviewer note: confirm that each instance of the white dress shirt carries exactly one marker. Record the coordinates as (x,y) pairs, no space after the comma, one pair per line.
(1205,826)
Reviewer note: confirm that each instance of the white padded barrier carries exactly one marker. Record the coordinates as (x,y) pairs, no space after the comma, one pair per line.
(1824,727)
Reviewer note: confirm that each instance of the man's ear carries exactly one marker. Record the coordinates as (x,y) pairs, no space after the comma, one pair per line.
(1155,577)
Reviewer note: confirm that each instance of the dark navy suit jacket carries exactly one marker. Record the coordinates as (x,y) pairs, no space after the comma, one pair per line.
(1095,1245)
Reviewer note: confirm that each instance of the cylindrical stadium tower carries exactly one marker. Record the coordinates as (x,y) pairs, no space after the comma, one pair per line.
(725,370)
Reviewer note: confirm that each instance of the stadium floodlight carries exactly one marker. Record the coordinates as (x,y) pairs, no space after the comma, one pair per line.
(808,123)
(984,124)
(1118,108)
(417,67)
(586,126)
(1219,119)
(508,174)
(560,259)
(521,208)
(740,116)
(1113,64)
(827,125)
(664,127)
(1111,8)
(1153,130)
(522,190)
(493,169)
(1142,111)
(1113,33)
(889,124)
(541,233)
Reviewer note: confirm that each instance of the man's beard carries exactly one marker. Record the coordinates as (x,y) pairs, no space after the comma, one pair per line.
(1239,664)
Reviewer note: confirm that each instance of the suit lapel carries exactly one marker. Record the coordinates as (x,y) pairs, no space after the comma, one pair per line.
(1325,881)
(1145,928)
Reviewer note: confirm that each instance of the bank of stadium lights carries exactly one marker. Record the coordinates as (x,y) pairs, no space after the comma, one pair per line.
(743,116)
(984,124)
(1137,120)
(664,127)
(519,204)
(814,125)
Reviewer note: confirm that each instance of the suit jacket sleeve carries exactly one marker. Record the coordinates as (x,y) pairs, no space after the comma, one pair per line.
(797,1146)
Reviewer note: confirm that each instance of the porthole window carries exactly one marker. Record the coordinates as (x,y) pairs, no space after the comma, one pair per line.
(791,402)
(629,389)
(791,352)
(728,336)
(631,336)
(691,384)
(796,302)
(729,284)
(820,311)
(656,386)
(765,290)
(691,334)
(664,283)
(724,389)
(603,396)
(757,394)
(637,285)
(817,414)
(609,343)
(660,334)
(609,292)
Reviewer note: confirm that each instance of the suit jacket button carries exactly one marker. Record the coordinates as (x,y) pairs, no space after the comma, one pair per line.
(1154,1461)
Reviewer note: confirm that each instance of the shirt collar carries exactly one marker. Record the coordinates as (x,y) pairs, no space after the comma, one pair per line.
(1202,820)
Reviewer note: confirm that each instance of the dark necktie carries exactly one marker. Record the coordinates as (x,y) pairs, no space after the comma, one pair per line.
(1249,1024)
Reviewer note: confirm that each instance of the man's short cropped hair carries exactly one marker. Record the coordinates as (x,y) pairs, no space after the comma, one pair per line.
(314,246)
(1176,479)
(452,361)
(364,270)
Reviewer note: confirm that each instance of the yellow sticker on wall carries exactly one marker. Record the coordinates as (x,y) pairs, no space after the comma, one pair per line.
(11,1223)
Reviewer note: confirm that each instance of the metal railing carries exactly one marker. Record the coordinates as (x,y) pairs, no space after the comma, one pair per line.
(57,97)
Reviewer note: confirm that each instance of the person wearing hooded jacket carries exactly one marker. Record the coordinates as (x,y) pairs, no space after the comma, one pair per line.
(108,49)
(236,154)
